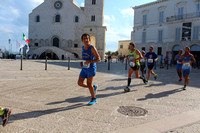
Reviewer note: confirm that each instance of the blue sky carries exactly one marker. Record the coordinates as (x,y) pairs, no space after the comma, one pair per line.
(118,19)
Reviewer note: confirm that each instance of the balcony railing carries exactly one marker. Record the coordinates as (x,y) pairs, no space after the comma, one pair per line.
(181,17)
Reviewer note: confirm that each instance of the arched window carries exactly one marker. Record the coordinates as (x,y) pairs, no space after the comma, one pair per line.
(93,18)
(56,42)
(93,2)
(57,18)
(37,18)
(76,19)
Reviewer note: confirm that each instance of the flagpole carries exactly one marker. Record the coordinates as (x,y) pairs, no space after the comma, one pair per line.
(21,58)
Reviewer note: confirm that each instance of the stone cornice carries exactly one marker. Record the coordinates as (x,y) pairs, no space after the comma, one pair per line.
(149,4)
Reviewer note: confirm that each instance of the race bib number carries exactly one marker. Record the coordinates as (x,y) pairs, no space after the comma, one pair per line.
(142,60)
(186,66)
(131,58)
(132,64)
(85,66)
(150,60)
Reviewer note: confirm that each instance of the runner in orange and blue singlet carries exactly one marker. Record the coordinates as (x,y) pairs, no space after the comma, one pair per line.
(187,59)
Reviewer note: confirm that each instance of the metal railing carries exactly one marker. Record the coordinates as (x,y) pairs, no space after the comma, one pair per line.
(181,17)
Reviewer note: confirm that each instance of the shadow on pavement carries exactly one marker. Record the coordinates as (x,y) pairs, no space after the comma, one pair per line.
(38,113)
(86,99)
(160,95)
(120,87)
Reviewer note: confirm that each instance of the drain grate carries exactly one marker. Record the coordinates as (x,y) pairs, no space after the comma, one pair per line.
(132,111)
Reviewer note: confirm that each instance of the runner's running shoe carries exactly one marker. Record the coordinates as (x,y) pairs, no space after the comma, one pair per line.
(93,101)
(6,115)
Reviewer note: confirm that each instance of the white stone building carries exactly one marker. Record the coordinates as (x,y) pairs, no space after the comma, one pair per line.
(168,25)
(56,26)
(123,47)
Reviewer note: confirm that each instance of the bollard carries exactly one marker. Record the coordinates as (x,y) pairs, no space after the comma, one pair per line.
(167,65)
(46,63)
(21,62)
(126,65)
(68,63)
(108,64)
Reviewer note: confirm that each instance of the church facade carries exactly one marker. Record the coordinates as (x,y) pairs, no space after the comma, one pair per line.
(56,26)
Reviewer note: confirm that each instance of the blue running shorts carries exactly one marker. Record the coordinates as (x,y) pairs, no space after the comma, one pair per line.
(87,72)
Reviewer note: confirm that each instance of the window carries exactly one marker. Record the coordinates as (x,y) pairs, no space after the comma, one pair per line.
(159,51)
(121,46)
(198,9)
(93,2)
(144,20)
(143,37)
(143,48)
(186,31)
(76,19)
(196,33)
(93,18)
(161,17)
(36,44)
(180,12)
(57,18)
(38,18)
(160,35)
(75,45)
(178,34)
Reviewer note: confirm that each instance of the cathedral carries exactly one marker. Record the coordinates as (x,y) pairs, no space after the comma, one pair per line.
(56,26)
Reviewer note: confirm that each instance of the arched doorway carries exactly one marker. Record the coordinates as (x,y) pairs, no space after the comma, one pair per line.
(50,54)
(195,50)
(56,42)
(175,50)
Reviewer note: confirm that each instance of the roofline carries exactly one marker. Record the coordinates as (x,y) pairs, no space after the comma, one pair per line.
(124,40)
(149,4)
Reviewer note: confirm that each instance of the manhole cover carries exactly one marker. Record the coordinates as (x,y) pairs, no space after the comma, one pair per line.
(132,111)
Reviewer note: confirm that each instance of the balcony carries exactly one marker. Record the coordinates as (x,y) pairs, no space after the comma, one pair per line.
(181,17)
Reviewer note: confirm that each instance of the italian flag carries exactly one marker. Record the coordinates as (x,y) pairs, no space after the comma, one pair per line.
(24,38)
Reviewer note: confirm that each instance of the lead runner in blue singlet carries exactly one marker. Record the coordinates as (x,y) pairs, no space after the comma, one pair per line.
(90,57)
(187,59)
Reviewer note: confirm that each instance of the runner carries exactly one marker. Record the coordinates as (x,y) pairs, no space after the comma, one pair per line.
(90,57)
(143,64)
(5,114)
(134,58)
(151,58)
(179,64)
(187,59)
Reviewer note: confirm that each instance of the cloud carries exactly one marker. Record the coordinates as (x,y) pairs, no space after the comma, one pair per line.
(14,19)
(109,18)
(127,12)
(117,29)
(82,4)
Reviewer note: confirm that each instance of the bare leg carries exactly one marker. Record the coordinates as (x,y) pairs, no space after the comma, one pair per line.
(149,74)
(152,72)
(81,82)
(90,86)
(137,75)
(130,72)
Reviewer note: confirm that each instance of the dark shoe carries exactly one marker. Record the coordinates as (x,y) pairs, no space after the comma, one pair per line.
(127,89)
(185,87)
(6,115)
